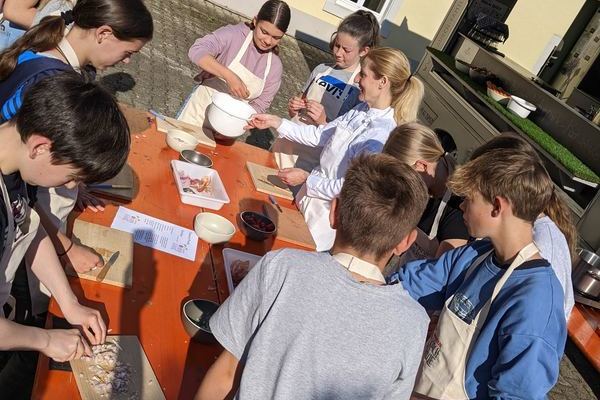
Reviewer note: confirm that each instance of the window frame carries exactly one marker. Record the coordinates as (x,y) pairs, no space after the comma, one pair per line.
(343,8)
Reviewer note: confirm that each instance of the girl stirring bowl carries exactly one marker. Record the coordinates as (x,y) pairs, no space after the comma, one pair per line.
(240,60)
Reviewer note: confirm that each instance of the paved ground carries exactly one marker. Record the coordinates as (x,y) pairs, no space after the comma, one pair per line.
(161,77)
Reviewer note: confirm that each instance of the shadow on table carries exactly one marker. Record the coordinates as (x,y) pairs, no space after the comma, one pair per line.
(134,302)
(199,356)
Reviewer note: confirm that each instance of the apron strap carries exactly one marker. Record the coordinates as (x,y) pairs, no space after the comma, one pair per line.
(267,68)
(526,253)
(438,216)
(243,48)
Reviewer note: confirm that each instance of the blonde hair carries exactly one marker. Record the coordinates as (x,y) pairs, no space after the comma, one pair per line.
(510,174)
(407,90)
(411,142)
(556,208)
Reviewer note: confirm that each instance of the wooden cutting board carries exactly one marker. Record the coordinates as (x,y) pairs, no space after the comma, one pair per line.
(204,135)
(124,178)
(266,181)
(291,226)
(106,241)
(142,380)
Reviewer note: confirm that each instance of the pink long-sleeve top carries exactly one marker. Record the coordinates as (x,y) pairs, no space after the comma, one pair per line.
(224,44)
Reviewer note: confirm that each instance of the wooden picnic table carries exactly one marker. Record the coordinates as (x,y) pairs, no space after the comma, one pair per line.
(163,282)
(584,331)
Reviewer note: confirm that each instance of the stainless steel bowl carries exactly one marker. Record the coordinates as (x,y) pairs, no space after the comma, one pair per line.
(586,274)
(195,157)
(195,315)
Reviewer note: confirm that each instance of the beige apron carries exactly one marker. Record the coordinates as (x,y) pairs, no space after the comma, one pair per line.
(12,257)
(447,351)
(56,203)
(361,267)
(194,109)
(289,154)
(316,210)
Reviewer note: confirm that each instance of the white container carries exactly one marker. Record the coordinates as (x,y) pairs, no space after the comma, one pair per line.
(231,255)
(180,140)
(228,116)
(520,106)
(213,199)
(213,228)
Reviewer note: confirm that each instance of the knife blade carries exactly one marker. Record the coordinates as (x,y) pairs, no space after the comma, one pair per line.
(102,274)
(275,203)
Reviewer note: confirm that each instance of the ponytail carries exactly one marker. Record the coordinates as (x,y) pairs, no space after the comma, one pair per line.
(42,37)
(559,213)
(407,91)
(406,104)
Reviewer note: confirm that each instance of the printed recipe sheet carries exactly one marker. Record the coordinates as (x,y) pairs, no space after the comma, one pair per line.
(156,233)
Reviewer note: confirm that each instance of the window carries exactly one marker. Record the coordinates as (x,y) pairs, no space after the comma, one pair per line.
(382,9)
(377,7)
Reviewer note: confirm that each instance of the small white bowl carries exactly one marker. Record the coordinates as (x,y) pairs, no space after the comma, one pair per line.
(180,140)
(228,115)
(520,106)
(213,228)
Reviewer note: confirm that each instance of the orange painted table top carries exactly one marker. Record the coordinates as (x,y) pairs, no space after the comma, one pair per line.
(584,331)
(162,282)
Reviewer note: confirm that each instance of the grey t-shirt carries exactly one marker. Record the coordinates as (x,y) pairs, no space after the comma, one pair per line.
(307,330)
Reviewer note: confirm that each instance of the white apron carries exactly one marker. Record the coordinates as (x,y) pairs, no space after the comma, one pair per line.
(315,210)
(289,154)
(13,255)
(194,109)
(447,351)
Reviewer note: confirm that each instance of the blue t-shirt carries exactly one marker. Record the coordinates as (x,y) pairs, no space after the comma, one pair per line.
(519,347)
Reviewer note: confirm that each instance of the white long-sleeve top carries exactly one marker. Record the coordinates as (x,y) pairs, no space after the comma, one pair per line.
(367,137)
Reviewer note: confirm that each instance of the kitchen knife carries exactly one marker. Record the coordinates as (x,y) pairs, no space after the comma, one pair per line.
(102,274)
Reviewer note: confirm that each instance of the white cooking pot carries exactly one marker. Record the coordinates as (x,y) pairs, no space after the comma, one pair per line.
(228,115)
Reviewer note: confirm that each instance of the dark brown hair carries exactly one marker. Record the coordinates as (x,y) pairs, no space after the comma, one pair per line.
(128,19)
(556,208)
(276,12)
(362,26)
(381,202)
(83,121)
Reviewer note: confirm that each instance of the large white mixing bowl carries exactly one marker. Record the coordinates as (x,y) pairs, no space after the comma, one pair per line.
(228,115)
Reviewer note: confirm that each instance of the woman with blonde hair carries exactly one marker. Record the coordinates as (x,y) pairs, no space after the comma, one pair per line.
(389,95)
(441,227)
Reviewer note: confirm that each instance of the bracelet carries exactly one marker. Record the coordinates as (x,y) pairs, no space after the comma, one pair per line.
(64,253)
